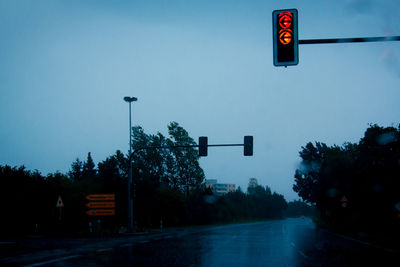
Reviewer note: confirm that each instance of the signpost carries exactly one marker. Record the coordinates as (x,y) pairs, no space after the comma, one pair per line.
(101,205)
(59,205)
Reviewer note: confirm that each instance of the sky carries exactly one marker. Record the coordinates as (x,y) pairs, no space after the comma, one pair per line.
(65,67)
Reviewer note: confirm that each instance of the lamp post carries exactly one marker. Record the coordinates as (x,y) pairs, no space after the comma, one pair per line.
(130,201)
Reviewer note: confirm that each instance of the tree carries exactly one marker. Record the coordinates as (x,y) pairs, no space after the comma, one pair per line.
(308,177)
(76,170)
(366,174)
(186,168)
(163,173)
(89,167)
(177,168)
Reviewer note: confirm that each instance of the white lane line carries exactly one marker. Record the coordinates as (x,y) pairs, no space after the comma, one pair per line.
(293,245)
(125,245)
(103,249)
(142,242)
(52,261)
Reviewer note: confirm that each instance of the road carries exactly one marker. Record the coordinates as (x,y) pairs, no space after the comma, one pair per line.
(290,242)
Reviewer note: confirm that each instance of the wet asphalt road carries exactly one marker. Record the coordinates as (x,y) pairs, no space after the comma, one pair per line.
(290,242)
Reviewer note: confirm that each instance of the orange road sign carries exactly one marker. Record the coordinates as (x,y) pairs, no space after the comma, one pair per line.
(60,203)
(101,197)
(100,205)
(107,212)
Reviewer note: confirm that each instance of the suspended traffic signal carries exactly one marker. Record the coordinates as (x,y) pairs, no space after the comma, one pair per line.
(248,146)
(203,146)
(285,37)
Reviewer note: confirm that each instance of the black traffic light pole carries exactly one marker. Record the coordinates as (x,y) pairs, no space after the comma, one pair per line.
(350,40)
(179,146)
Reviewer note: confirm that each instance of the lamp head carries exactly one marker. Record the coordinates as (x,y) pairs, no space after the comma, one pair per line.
(130,99)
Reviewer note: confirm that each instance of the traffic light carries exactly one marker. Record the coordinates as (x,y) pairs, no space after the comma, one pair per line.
(203,146)
(248,146)
(285,37)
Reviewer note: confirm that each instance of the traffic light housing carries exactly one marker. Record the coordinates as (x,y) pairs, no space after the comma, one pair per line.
(203,146)
(248,146)
(285,37)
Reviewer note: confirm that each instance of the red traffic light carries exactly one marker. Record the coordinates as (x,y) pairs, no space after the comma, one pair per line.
(285,37)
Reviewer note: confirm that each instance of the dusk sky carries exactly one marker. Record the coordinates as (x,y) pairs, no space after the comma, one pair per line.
(65,67)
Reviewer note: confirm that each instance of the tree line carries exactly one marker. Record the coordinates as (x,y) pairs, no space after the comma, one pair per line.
(356,186)
(169,190)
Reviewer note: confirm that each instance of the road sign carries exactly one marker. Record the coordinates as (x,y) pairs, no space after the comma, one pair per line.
(97,205)
(60,203)
(107,212)
(101,204)
(285,37)
(101,197)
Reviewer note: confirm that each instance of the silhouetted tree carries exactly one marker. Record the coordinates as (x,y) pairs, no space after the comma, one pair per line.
(89,167)
(365,174)
(186,168)
(76,170)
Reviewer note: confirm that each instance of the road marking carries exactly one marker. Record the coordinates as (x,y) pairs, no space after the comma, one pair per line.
(126,245)
(145,241)
(52,261)
(103,249)
(293,245)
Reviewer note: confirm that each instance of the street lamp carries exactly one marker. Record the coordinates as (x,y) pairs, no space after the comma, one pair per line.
(130,201)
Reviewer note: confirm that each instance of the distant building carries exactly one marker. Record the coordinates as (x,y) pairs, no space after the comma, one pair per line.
(219,189)
(210,183)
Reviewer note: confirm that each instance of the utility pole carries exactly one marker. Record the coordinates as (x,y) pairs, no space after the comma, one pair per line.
(130,200)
